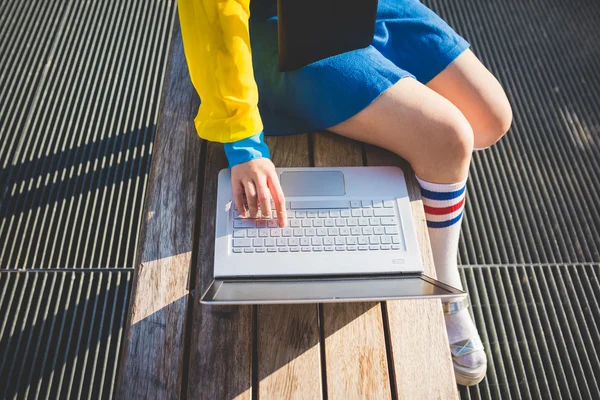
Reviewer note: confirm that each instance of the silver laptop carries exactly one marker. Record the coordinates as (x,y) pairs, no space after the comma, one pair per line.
(350,237)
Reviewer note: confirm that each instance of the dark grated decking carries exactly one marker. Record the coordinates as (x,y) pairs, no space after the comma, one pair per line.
(80,85)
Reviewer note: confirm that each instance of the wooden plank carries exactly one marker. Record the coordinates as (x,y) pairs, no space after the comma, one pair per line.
(288,335)
(221,342)
(152,357)
(355,353)
(418,341)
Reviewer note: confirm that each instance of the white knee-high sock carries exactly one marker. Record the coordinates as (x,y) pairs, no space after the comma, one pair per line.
(444,204)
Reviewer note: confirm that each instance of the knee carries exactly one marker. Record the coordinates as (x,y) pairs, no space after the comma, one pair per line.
(497,121)
(447,157)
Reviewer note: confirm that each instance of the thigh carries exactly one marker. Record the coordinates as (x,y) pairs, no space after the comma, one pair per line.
(418,124)
(468,84)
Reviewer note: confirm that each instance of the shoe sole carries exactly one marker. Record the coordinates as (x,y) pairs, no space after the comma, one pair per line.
(469,376)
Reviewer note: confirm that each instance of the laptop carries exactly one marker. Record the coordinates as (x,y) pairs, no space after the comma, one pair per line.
(350,237)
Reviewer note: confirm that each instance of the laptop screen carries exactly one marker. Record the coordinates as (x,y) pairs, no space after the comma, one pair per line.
(330,289)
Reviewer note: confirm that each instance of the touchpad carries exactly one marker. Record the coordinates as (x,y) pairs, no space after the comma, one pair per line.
(313,183)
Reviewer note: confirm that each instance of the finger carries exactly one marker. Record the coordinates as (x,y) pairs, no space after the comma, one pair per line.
(238,198)
(264,198)
(251,198)
(278,198)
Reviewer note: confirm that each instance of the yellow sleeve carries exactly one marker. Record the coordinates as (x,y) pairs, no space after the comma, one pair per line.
(216,41)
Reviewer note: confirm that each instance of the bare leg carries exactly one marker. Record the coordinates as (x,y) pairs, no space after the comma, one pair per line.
(421,126)
(478,95)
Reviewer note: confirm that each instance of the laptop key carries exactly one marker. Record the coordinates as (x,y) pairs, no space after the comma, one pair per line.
(269,242)
(386,240)
(388,221)
(239,234)
(317,241)
(374,239)
(363,247)
(386,247)
(260,250)
(306,223)
(388,203)
(321,231)
(304,241)
(367,230)
(275,232)
(320,204)
(395,239)
(258,242)
(305,248)
(317,248)
(340,222)
(242,242)
(340,248)
(373,247)
(355,203)
(391,230)
(377,203)
(373,221)
(395,247)
(333,231)
(252,233)
(344,231)
(323,213)
(282,249)
(295,223)
(384,212)
(294,241)
(351,248)
(379,230)
(237,250)
(328,241)
(317,223)
(295,249)
(287,232)
(248,250)
(244,223)
(340,240)
(309,232)
(272,223)
(355,231)
(281,242)
(357,213)
(363,240)
(329,248)
(363,221)
(271,249)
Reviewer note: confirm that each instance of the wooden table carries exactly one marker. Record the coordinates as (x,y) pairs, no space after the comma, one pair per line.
(176,347)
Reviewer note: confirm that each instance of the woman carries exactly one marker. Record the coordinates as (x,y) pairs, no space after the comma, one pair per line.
(417,90)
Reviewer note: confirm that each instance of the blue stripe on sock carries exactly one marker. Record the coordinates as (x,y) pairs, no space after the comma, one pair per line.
(444,224)
(442,195)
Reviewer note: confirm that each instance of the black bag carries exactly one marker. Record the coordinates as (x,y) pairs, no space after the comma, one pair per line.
(310,30)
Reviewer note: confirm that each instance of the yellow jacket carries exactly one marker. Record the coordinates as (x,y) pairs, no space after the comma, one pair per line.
(216,41)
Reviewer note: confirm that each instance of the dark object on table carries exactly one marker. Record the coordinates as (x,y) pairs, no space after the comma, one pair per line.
(311,30)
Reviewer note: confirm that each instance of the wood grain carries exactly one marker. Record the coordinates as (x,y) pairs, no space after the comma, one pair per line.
(418,341)
(288,335)
(221,343)
(152,358)
(355,353)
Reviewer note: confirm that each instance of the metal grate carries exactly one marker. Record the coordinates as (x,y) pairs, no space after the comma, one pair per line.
(60,333)
(541,328)
(534,196)
(76,164)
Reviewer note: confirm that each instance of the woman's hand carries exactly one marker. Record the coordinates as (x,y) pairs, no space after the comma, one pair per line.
(258,180)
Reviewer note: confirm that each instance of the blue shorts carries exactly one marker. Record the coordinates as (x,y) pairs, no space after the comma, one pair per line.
(410,40)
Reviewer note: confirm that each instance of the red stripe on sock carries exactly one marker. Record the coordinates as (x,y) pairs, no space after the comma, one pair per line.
(444,210)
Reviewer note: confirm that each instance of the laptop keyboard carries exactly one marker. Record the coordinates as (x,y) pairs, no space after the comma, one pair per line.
(321,226)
